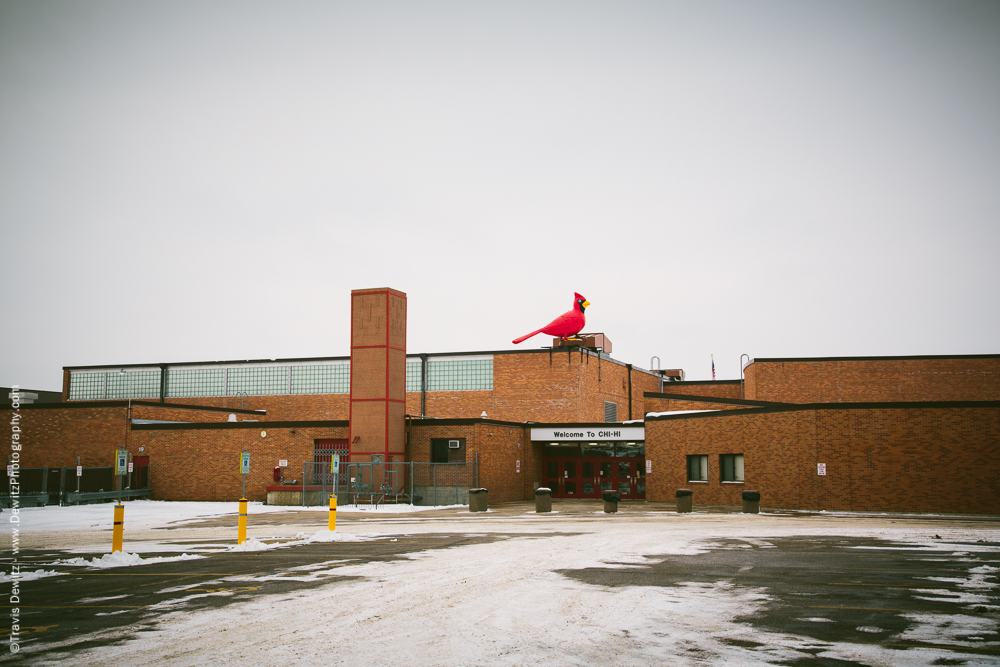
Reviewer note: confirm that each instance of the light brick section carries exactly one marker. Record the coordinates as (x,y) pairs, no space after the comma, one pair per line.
(877,459)
(973,378)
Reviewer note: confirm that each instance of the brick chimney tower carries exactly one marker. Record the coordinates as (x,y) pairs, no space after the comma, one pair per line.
(378,374)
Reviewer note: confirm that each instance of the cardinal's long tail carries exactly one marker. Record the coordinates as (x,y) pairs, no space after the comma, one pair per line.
(526,337)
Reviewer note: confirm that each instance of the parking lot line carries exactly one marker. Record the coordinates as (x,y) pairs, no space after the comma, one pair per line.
(914,611)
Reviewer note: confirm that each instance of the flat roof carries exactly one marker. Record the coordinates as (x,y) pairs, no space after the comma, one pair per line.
(919,357)
(409,355)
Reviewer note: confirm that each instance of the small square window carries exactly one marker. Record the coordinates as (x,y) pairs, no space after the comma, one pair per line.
(697,468)
(731,467)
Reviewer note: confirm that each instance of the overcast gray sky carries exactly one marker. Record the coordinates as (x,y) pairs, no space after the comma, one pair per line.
(188,181)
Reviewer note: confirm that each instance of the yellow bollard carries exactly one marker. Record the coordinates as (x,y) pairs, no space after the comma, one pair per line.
(333,512)
(242,537)
(119,530)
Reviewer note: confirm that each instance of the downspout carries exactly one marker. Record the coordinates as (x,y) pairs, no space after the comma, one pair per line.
(629,367)
(163,383)
(423,385)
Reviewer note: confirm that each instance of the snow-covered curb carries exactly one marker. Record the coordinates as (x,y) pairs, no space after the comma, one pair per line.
(116,559)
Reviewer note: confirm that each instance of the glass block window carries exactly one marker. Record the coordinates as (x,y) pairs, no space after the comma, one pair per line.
(460,375)
(326,379)
(87,386)
(260,381)
(134,384)
(413,370)
(190,382)
(114,385)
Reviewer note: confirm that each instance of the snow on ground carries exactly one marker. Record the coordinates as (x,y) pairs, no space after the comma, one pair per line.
(162,513)
(505,603)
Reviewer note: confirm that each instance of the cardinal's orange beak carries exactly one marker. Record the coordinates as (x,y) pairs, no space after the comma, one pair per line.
(586,304)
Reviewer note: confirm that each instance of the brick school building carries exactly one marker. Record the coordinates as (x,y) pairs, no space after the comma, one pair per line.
(867,434)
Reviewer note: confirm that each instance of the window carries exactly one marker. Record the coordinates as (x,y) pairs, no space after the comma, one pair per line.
(443,450)
(610,412)
(731,466)
(697,468)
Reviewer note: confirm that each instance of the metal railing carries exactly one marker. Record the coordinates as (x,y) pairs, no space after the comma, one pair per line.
(62,486)
(376,483)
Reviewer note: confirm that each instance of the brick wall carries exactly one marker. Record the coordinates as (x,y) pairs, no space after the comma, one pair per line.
(528,387)
(920,459)
(203,463)
(656,404)
(875,380)
(187,462)
(55,436)
(495,445)
(313,407)
(716,389)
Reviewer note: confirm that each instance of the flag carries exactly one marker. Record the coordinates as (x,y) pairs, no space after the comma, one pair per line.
(713,366)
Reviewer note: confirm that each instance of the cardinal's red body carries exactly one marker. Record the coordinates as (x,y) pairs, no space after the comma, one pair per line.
(565,325)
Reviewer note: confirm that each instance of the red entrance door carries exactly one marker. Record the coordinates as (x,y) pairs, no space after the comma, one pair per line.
(580,477)
(630,478)
(565,478)
(589,477)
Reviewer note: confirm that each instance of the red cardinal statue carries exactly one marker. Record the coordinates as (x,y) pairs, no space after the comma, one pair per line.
(566,324)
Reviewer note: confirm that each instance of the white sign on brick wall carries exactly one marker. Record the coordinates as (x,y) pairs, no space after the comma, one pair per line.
(820,468)
(576,433)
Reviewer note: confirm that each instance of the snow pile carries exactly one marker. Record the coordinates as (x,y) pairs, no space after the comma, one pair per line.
(30,576)
(124,559)
(253,544)
(333,536)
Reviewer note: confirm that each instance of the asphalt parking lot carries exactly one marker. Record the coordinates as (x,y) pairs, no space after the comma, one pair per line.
(828,588)
(81,601)
(835,589)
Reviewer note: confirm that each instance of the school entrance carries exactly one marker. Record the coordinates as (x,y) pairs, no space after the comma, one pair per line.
(588,470)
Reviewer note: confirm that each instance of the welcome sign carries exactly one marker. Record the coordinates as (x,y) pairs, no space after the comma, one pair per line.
(578,433)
